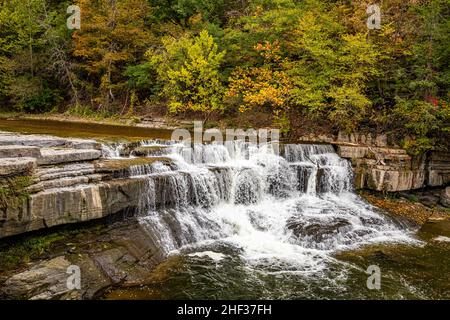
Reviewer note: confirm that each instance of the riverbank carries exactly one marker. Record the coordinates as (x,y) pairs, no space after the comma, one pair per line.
(133,121)
(139,212)
(114,251)
(83,128)
(411,208)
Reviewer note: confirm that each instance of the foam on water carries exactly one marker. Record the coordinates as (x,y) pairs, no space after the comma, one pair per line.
(284,213)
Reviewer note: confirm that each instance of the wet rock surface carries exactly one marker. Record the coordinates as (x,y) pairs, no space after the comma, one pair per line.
(316,230)
(120,253)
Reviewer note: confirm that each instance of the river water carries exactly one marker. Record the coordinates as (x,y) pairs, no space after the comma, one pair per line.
(241,222)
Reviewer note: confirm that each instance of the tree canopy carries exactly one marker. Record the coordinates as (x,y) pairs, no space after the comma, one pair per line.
(298,62)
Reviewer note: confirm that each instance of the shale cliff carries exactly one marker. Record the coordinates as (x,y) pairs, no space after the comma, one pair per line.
(385,167)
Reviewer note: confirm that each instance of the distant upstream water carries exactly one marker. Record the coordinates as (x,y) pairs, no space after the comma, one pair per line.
(83,130)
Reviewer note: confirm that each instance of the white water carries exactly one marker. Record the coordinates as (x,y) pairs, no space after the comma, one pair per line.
(112,151)
(283,212)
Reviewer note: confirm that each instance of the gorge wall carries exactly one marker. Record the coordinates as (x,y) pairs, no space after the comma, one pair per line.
(385,167)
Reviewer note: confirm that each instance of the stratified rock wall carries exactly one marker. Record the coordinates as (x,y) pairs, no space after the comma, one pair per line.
(389,168)
(68,183)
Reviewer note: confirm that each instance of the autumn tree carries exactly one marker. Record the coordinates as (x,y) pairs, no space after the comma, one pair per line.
(189,69)
(113,34)
(26,80)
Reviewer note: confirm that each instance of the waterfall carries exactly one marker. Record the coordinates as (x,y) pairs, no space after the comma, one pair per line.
(111,151)
(267,205)
(296,208)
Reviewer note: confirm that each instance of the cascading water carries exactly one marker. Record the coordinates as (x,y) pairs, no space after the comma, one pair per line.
(240,221)
(111,151)
(295,209)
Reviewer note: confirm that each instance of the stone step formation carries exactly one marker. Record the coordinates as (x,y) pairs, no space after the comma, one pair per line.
(72,180)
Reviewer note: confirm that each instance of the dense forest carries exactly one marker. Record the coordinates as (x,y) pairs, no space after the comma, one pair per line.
(293,64)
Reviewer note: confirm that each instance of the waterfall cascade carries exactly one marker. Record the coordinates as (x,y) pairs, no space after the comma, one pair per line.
(289,209)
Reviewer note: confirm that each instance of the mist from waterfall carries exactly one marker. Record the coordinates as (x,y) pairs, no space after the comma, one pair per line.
(292,210)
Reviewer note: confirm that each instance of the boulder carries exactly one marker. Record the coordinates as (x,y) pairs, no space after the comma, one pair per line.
(46,280)
(316,230)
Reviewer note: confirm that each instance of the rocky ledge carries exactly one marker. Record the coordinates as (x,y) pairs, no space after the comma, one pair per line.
(48,181)
(383,166)
(110,253)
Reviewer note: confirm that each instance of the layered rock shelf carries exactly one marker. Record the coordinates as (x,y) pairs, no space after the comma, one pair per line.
(393,170)
(381,165)
(69,182)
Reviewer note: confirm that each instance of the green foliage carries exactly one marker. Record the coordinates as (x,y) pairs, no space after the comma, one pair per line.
(423,124)
(143,77)
(292,60)
(26,79)
(13,191)
(189,69)
(113,35)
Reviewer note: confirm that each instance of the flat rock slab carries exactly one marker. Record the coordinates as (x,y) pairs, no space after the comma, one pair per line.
(83,144)
(14,151)
(10,166)
(46,280)
(41,141)
(45,141)
(58,156)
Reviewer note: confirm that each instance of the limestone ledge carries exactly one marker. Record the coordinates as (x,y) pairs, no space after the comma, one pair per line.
(70,182)
(68,205)
(392,169)
(381,165)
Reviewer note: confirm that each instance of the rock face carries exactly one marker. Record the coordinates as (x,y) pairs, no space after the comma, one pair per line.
(439,169)
(392,169)
(119,253)
(15,166)
(445,197)
(380,164)
(84,202)
(69,182)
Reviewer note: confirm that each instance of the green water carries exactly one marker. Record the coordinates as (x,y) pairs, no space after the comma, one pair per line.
(407,272)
